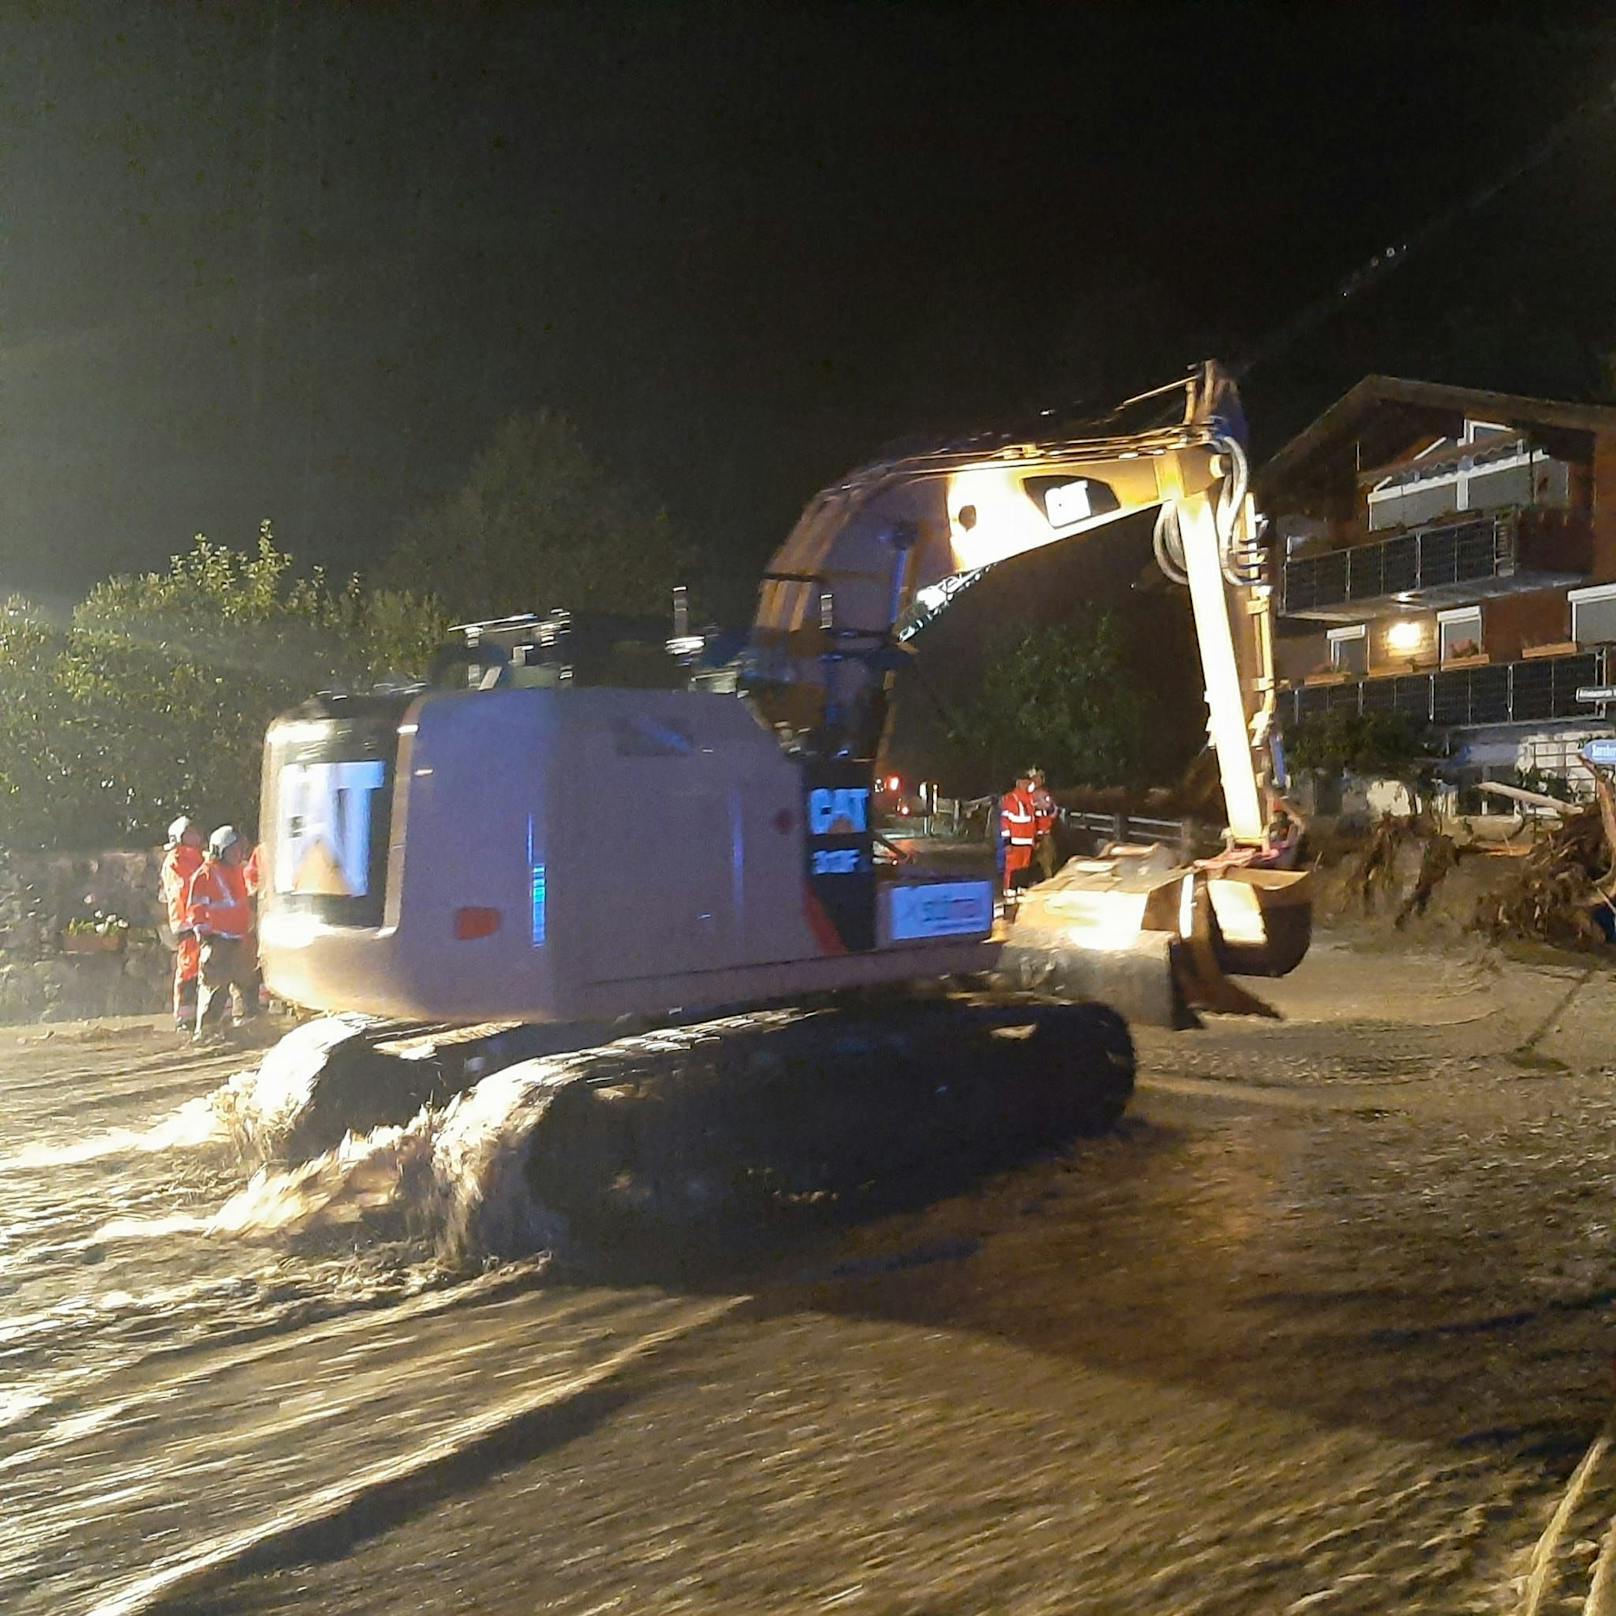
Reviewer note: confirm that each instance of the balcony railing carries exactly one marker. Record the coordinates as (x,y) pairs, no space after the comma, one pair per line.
(1457,561)
(1501,693)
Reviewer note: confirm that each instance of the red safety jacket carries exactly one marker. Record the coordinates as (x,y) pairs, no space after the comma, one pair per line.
(1018,818)
(180,863)
(253,870)
(1043,810)
(218,905)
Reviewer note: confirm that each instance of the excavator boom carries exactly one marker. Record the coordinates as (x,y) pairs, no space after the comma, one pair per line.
(883,550)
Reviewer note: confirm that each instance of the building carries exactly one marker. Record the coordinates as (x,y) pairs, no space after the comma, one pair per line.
(1451,554)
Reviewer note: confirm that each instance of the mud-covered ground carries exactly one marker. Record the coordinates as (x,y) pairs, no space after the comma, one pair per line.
(1324,1326)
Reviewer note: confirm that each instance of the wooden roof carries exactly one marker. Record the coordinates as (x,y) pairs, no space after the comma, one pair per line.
(1383,413)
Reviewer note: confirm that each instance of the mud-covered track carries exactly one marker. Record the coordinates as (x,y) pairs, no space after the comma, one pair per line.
(779,1108)
(786,1109)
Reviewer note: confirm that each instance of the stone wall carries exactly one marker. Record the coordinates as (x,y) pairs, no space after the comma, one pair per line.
(39,896)
(79,987)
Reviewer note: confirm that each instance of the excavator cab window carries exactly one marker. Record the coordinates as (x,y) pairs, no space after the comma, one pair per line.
(328,808)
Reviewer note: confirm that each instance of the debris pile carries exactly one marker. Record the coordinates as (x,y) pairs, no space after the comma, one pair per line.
(1557,891)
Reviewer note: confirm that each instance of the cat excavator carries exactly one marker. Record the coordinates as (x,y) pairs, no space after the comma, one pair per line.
(657,874)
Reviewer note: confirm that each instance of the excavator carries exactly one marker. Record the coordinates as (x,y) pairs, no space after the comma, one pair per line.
(663,886)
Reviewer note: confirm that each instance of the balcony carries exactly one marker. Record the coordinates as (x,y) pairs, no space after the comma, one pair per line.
(1452,564)
(1526,692)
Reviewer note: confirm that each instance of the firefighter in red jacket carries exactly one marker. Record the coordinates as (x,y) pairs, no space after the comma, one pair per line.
(219,910)
(181,861)
(1018,825)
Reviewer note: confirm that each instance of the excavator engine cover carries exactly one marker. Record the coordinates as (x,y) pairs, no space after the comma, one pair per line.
(565,854)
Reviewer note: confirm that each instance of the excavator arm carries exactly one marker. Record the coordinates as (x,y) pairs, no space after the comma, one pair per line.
(881,553)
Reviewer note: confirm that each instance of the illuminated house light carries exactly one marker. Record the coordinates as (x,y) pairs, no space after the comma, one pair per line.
(1405,636)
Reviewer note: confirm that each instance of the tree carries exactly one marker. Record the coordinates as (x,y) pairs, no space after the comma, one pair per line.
(1372,746)
(155,698)
(1059,698)
(538,524)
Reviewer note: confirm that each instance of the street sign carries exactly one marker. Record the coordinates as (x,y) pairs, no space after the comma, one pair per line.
(1596,693)
(1602,753)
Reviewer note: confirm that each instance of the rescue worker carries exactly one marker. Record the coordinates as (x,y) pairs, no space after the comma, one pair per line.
(181,860)
(219,910)
(1018,821)
(1044,818)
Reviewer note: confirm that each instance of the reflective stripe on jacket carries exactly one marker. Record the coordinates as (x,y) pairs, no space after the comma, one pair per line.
(1017,819)
(218,905)
(180,863)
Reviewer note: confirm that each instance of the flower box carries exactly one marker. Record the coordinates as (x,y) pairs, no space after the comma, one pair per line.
(92,942)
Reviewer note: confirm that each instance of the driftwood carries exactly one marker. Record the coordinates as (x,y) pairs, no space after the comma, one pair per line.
(1441,854)
(1554,891)
(1376,872)
(1377,864)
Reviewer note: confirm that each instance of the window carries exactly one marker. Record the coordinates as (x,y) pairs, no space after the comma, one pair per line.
(1460,632)
(1349,649)
(1487,467)
(1593,614)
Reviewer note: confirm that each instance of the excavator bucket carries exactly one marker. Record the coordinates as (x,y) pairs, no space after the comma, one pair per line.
(1263,919)
(1155,940)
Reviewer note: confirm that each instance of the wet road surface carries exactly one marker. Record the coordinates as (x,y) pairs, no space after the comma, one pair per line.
(1324,1326)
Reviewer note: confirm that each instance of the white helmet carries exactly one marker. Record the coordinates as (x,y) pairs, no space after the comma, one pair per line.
(176,831)
(222,840)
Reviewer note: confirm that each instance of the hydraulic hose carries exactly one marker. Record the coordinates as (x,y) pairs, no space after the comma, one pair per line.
(1169,546)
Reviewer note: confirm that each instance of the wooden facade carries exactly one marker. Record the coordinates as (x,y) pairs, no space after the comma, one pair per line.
(1366,589)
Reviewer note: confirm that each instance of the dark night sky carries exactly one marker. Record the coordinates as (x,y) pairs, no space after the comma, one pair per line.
(297,260)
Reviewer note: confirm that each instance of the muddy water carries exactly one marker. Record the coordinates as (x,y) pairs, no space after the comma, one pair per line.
(202,1356)
(1325,1326)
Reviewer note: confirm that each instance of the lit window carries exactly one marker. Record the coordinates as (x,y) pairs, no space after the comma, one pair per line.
(1460,632)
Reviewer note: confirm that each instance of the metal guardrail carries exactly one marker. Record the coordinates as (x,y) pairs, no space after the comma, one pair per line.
(1530,691)
(1114,827)
(1126,827)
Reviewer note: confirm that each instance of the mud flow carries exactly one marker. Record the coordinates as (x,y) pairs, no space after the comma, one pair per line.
(804,1312)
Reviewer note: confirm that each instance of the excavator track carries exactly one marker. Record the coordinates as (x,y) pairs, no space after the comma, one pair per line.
(783,1109)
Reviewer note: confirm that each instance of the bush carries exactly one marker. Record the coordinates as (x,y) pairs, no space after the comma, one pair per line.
(540,523)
